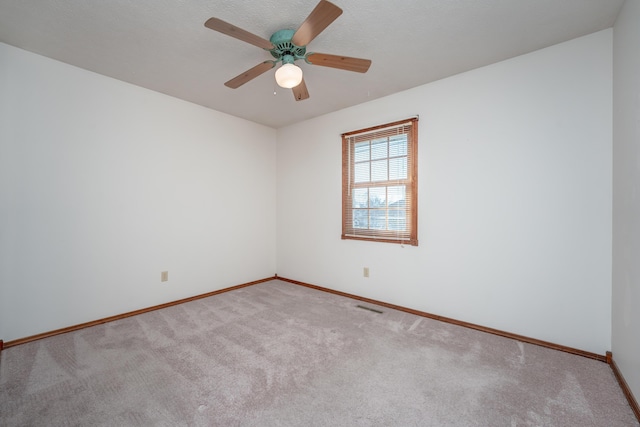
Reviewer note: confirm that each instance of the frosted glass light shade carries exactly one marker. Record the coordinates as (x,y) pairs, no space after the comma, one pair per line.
(288,76)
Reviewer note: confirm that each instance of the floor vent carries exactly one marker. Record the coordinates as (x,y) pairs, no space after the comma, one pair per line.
(369,308)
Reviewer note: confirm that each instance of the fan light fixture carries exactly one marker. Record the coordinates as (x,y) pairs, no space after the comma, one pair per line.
(288,46)
(288,76)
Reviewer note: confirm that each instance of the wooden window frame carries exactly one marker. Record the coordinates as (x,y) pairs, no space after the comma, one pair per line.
(349,139)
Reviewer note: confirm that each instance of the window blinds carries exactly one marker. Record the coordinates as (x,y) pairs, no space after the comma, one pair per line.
(379,183)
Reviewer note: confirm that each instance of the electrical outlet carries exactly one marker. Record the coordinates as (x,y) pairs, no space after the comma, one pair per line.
(366,272)
(164,276)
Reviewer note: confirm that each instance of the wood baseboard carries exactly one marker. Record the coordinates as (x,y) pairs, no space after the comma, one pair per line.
(320,288)
(624,386)
(125,315)
(608,358)
(455,322)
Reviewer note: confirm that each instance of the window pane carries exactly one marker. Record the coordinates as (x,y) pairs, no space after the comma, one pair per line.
(398,146)
(397,196)
(378,197)
(361,151)
(379,170)
(361,172)
(398,168)
(379,148)
(360,218)
(377,219)
(397,219)
(360,198)
(379,185)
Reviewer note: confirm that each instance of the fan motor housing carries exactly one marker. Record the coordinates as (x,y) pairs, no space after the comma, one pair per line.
(282,46)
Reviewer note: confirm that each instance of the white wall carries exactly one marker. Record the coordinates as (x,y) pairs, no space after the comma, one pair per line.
(103,185)
(514,198)
(626,194)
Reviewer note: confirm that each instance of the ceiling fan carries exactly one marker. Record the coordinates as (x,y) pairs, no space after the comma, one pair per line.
(288,46)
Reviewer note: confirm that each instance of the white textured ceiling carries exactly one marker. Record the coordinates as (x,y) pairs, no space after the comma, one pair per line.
(163,45)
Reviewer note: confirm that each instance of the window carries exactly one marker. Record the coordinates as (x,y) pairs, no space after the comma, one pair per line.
(380,183)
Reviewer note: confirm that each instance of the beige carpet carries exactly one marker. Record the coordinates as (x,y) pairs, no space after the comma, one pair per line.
(278,354)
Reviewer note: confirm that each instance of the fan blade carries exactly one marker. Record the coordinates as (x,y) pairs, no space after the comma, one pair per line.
(319,19)
(250,74)
(238,33)
(342,62)
(300,92)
